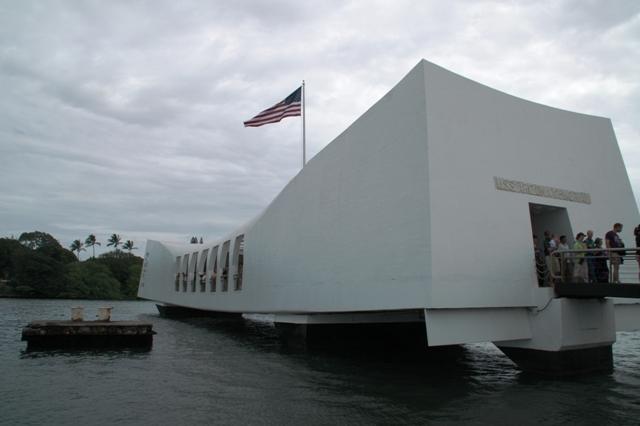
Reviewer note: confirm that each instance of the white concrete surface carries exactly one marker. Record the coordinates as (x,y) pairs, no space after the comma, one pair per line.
(401,212)
(566,324)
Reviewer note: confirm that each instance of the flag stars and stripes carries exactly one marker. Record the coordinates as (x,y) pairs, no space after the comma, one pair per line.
(291,106)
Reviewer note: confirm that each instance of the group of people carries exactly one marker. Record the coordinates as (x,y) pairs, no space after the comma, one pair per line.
(586,261)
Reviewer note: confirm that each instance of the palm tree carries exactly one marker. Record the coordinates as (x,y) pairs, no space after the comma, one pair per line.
(128,245)
(115,241)
(77,245)
(92,242)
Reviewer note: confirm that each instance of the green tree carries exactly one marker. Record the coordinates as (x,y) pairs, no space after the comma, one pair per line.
(130,289)
(37,239)
(78,246)
(38,269)
(119,263)
(128,245)
(47,245)
(115,241)
(8,248)
(37,265)
(37,274)
(90,280)
(92,242)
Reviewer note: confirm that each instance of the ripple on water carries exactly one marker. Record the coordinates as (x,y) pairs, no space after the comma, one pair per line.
(221,372)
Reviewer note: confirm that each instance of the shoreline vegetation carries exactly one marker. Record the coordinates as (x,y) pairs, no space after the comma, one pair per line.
(37,266)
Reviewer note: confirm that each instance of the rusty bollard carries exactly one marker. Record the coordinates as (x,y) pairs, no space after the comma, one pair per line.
(104,314)
(77,313)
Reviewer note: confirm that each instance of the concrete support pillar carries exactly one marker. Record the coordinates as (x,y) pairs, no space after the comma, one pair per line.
(398,336)
(292,335)
(172,311)
(561,363)
(569,336)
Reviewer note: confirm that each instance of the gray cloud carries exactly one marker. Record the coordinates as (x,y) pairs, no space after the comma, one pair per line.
(127,116)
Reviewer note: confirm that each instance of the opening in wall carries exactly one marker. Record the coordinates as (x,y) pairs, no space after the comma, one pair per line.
(224,277)
(554,221)
(177,272)
(194,271)
(214,268)
(238,261)
(202,271)
(185,271)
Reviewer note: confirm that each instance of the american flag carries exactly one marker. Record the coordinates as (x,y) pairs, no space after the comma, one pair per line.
(289,107)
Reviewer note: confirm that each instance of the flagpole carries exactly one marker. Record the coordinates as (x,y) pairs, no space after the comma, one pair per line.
(304,132)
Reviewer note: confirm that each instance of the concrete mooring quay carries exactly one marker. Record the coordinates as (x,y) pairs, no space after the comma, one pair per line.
(88,334)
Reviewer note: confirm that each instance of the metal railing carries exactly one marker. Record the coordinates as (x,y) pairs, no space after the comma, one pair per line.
(599,265)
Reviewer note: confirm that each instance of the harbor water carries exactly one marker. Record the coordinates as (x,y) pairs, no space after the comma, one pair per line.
(216,371)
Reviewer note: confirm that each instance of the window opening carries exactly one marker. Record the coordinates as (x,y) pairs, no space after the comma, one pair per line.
(238,260)
(202,272)
(224,276)
(214,261)
(185,271)
(194,271)
(177,273)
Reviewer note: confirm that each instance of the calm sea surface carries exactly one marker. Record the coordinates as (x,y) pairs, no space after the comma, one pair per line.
(207,371)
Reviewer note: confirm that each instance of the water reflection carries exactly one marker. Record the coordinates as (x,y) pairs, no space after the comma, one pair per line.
(218,371)
(84,353)
(413,377)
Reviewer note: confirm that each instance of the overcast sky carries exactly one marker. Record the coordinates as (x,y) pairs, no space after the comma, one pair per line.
(126,116)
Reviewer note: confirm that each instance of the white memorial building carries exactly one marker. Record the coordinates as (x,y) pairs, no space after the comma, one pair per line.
(422,211)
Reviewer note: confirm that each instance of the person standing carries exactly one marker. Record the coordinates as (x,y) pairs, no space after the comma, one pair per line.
(553,243)
(580,271)
(565,259)
(613,241)
(541,265)
(553,264)
(546,242)
(589,240)
(600,264)
(636,232)
(590,264)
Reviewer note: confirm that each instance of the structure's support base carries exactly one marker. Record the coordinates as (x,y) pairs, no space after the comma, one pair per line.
(381,335)
(88,334)
(141,342)
(562,363)
(292,335)
(171,311)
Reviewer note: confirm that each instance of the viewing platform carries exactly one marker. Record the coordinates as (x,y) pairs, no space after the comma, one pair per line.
(589,290)
(558,271)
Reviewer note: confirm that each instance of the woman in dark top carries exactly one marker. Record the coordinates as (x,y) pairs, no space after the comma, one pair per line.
(600,263)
